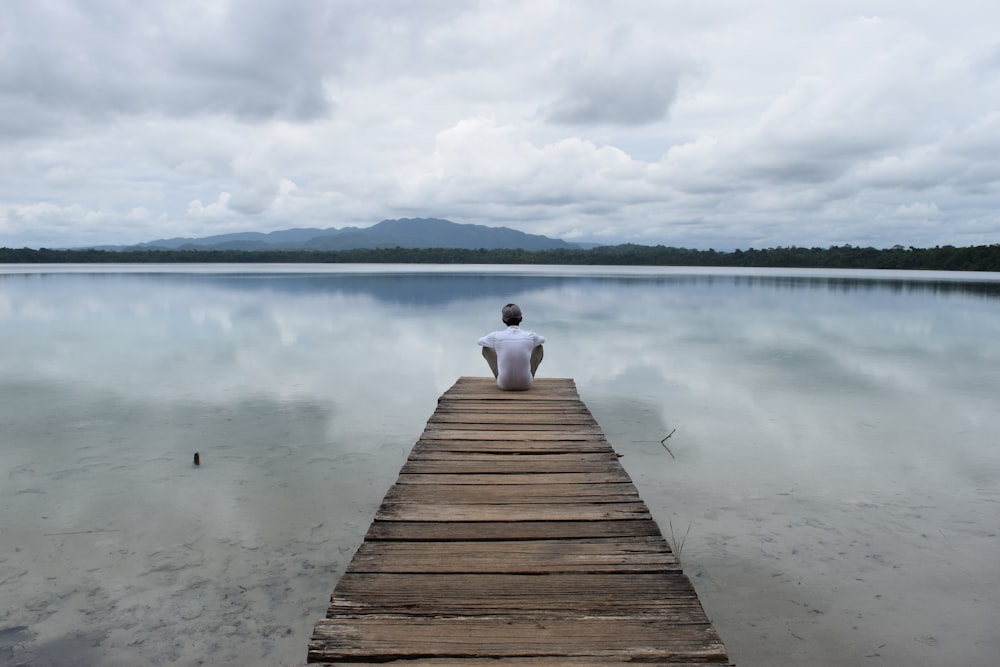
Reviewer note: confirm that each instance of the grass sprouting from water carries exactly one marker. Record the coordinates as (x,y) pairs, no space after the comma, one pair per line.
(678,544)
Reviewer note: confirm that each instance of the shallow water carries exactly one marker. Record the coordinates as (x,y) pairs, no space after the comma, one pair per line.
(834,460)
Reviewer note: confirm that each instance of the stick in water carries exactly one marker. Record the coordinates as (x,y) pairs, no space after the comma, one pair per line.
(664,443)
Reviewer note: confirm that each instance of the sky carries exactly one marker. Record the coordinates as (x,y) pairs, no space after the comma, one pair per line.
(713,124)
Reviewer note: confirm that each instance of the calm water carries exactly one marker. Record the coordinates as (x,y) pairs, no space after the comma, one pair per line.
(835,462)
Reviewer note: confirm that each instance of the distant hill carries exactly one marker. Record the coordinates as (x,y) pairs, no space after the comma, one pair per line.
(403,233)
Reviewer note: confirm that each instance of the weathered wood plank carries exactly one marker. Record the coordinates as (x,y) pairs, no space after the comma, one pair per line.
(465,531)
(525,662)
(616,511)
(510,446)
(605,459)
(494,394)
(543,388)
(512,465)
(496,477)
(497,594)
(513,434)
(544,396)
(528,409)
(621,555)
(390,637)
(488,418)
(480,494)
(513,431)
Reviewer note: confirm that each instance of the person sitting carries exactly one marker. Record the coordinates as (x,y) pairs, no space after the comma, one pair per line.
(513,354)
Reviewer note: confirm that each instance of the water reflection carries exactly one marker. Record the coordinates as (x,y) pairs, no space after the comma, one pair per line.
(830,428)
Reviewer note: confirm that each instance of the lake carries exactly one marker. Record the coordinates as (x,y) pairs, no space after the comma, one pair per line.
(834,460)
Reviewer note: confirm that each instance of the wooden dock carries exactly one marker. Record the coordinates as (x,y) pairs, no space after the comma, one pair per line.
(514,536)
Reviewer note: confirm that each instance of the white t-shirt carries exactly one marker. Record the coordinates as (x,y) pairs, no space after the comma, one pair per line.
(514,347)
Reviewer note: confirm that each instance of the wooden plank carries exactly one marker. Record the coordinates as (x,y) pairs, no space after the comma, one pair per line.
(539,394)
(442,461)
(508,446)
(513,533)
(510,464)
(568,432)
(476,494)
(514,434)
(493,477)
(494,394)
(615,511)
(487,418)
(390,637)
(621,555)
(502,408)
(573,595)
(431,531)
(544,460)
(527,662)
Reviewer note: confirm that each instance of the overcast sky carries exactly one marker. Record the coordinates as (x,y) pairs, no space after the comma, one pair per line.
(719,123)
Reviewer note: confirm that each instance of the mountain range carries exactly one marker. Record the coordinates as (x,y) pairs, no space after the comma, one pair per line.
(402,233)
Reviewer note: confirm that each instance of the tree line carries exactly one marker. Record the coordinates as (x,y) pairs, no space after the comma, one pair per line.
(944,258)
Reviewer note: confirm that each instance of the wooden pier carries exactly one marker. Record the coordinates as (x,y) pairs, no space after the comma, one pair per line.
(514,536)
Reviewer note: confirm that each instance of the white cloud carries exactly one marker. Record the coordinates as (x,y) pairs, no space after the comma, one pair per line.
(918,210)
(62,176)
(623,80)
(138,214)
(217,209)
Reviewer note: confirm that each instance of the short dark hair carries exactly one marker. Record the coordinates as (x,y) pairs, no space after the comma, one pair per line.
(511,314)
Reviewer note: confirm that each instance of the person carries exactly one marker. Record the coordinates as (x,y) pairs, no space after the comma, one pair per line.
(513,354)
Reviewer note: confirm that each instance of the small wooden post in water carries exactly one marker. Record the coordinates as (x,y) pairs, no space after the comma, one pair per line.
(513,533)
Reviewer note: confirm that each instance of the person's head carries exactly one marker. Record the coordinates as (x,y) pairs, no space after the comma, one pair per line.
(511,314)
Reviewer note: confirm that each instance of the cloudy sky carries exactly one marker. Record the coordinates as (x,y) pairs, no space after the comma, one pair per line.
(719,123)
